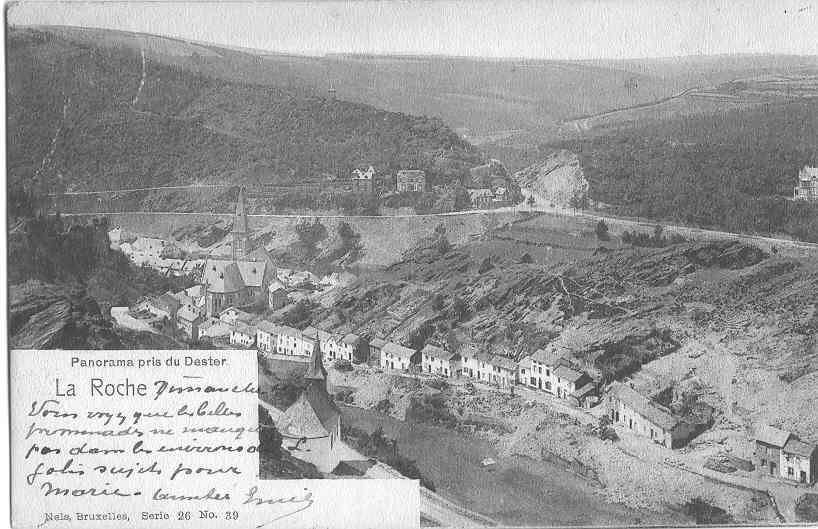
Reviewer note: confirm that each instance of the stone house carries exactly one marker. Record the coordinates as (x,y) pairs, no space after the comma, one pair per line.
(394,356)
(799,461)
(645,417)
(232,316)
(375,347)
(188,320)
(567,380)
(781,454)
(769,442)
(409,181)
(164,306)
(439,361)
(276,295)
(502,371)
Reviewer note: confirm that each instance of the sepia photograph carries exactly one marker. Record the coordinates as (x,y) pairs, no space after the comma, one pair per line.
(556,262)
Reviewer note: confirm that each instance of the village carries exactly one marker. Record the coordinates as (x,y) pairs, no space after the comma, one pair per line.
(642,406)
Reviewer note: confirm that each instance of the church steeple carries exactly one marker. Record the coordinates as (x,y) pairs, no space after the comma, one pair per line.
(240,232)
(316,373)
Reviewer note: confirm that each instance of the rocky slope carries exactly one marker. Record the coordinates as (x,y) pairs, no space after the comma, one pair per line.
(47,316)
(558,178)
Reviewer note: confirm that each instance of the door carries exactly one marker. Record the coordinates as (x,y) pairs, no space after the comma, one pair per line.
(772,468)
(803,477)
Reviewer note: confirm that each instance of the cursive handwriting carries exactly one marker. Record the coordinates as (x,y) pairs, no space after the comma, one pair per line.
(302,503)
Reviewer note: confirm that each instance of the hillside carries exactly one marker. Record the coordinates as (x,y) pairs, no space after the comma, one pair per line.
(90,114)
(733,171)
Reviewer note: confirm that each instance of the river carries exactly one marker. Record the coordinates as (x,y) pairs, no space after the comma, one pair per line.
(519,491)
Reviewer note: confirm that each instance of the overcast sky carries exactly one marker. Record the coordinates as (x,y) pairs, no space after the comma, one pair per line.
(565,29)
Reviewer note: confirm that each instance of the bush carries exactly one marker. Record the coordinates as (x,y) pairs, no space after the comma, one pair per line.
(383,406)
(601,231)
(806,508)
(342,364)
(706,514)
(269,437)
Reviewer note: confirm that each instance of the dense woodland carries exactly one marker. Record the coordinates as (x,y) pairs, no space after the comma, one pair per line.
(74,124)
(734,171)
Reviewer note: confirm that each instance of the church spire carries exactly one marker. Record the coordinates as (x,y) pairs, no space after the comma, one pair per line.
(315,369)
(240,230)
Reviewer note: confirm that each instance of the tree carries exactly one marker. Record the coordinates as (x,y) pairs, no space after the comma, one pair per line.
(602,231)
(269,437)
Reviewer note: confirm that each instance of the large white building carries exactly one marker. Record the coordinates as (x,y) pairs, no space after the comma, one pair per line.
(807,188)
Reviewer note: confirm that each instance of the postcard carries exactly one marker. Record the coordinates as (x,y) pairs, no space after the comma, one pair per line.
(412,264)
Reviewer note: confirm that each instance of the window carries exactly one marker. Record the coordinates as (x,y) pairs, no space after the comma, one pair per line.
(790,472)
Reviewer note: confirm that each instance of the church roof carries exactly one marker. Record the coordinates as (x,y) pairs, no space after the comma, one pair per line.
(315,368)
(223,277)
(312,415)
(261,254)
(252,272)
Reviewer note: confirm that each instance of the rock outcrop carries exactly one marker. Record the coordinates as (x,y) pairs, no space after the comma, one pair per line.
(558,179)
(46,316)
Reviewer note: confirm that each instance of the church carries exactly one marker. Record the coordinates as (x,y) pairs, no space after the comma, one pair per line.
(243,279)
(311,426)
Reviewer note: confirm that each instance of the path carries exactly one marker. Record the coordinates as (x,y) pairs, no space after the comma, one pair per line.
(47,158)
(541,205)
(141,81)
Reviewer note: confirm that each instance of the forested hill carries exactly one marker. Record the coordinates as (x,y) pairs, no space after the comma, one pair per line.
(84,115)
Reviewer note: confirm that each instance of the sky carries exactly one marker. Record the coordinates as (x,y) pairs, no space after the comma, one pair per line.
(564,29)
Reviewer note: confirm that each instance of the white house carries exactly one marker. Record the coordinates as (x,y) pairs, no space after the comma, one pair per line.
(394,356)
(439,361)
(243,335)
(266,337)
(294,342)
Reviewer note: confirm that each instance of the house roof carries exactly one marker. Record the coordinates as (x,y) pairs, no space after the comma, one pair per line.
(478,193)
(411,173)
(276,285)
(249,330)
(351,339)
(771,436)
(525,363)
(377,342)
(267,326)
(567,373)
(438,352)
(261,254)
(310,331)
(643,406)
(167,301)
(799,447)
(187,313)
(548,357)
(222,277)
(194,291)
(398,350)
(585,390)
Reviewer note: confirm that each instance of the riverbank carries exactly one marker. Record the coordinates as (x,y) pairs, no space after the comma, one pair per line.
(518,491)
